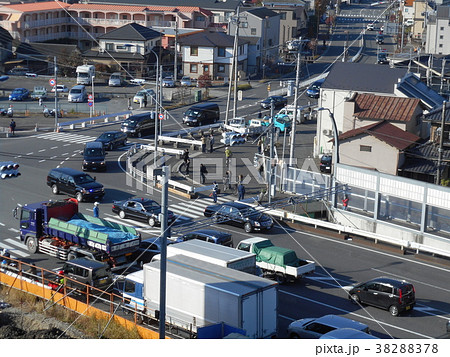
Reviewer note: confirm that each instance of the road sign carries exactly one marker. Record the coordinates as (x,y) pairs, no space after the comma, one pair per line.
(90,104)
(90,97)
(52,82)
(161,116)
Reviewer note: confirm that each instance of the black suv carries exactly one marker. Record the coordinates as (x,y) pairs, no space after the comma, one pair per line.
(74,183)
(325,163)
(94,157)
(239,214)
(210,235)
(112,139)
(389,294)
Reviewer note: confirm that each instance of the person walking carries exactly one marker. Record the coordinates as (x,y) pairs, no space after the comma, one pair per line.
(145,100)
(187,164)
(215,191)
(203,173)
(241,191)
(203,139)
(129,104)
(12,127)
(96,210)
(185,156)
(345,202)
(211,143)
(40,102)
(228,155)
(260,145)
(227,181)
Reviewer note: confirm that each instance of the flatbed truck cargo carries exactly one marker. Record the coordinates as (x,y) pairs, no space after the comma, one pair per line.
(216,254)
(280,263)
(199,294)
(57,228)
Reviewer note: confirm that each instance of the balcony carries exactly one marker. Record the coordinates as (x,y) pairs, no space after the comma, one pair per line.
(45,23)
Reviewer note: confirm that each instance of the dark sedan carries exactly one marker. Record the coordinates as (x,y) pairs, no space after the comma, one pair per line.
(142,209)
(210,235)
(148,249)
(112,139)
(278,101)
(240,215)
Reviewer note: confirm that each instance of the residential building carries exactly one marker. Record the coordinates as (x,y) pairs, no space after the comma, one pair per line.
(407,9)
(211,53)
(421,10)
(263,24)
(438,32)
(379,146)
(131,46)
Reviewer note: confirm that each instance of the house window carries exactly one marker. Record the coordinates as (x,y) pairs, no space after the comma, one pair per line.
(122,48)
(282,16)
(244,25)
(205,68)
(442,28)
(200,18)
(194,50)
(253,31)
(294,16)
(221,68)
(109,46)
(221,52)
(441,37)
(125,17)
(365,148)
(193,68)
(441,45)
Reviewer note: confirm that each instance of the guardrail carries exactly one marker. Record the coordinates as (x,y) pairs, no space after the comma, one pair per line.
(178,140)
(193,130)
(105,118)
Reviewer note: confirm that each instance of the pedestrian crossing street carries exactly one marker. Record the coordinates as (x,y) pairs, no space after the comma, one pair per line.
(73,138)
(184,212)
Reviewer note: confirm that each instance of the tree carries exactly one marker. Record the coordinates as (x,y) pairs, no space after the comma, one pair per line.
(204,81)
(68,62)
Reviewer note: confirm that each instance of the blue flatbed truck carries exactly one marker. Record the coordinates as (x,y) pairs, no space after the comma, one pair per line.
(57,228)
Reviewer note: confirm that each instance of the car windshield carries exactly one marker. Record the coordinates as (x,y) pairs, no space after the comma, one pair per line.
(93,152)
(192,113)
(149,206)
(17,91)
(326,159)
(83,179)
(101,273)
(106,136)
(76,91)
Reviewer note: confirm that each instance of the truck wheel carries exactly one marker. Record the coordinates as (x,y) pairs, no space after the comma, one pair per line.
(122,214)
(79,196)
(248,227)
(32,245)
(152,221)
(55,189)
(280,278)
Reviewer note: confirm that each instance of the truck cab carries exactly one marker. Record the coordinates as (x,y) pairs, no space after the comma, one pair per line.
(132,290)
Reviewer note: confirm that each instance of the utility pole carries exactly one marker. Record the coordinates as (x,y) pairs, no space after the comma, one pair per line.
(175,61)
(56,94)
(163,263)
(236,62)
(441,144)
(155,156)
(294,122)
(271,153)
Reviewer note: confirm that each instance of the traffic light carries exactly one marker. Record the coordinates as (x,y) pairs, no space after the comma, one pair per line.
(9,169)
(232,138)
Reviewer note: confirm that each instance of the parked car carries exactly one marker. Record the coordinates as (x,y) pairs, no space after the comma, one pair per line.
(325,163)
(19,94)
(168,82)
(148,249)
(347,333)
(74,183)
(186,81)
(61,88)
(379,39)
(112,139)
(313,90)
(77,94)
(394,295)
(278,101)
(140,95)
(143,209)
(317,327)
(382,58)
(240,215)
(209,235)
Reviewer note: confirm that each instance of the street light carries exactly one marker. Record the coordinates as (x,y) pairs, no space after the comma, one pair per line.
(93,97)
(155,156)
(335,152)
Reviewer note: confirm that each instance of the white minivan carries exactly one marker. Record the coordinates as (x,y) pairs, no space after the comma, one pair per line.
(77,94)
(115,80)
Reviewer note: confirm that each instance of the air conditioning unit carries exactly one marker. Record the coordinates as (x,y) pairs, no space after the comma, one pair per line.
(327,132)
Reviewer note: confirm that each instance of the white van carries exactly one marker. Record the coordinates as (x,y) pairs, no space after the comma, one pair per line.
(77,94)
(115,80)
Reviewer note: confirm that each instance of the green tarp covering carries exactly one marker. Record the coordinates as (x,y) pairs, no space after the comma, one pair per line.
(266,252)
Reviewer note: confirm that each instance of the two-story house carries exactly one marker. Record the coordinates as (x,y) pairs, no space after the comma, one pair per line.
(211,53)
(264,25)
(131,46)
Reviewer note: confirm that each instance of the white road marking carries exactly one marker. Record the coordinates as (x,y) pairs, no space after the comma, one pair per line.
(54,147)
(42,160)
(66,144)
(42,150)
(53,157)
(30,153)
(66,153)
(13,230)
(2,224)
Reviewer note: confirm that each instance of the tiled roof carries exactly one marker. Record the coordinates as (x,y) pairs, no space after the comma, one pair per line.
(131,8)
(376,107)
(131,31)
(39,6)
(409,3)
(228,5)
(424,158)
(386,132)
(435,115)
(209,39)
(262,12)
(413,87)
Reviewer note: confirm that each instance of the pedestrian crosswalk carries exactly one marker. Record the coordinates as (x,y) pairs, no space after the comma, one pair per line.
(66,137)
(184,212)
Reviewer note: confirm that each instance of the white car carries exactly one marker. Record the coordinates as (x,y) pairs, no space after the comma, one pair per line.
(137,81)
(168,82)
(186,81)
(61,88)
(140,95)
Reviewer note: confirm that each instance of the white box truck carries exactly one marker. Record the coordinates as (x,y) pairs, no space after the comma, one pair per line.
(200,294)
(85,74)
(215,254)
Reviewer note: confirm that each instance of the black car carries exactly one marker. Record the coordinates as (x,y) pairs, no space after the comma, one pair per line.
(379,39)
(382,58)
(143,209)
(94,157)
(240,215)
(210,235)
(148,249)
(278,101)
(112,139)
(75,183)
(386,293)
(325,163)
(313,90)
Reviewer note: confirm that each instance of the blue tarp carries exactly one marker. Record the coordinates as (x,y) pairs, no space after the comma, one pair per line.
(114,235)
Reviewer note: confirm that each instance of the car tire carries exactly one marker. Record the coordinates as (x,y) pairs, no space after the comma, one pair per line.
(393,310)
(355,299)
(79,196)
(55,189)
(139,134)
(294,335)
(248,227)
(32,245)
(152,221)
(122,214)
(280,278)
